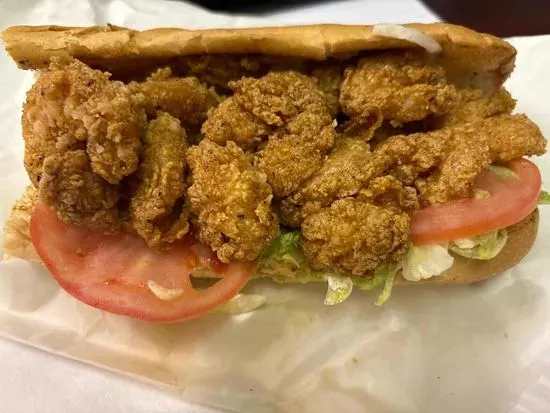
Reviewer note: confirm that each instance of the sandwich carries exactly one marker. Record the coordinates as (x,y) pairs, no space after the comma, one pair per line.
(358,156)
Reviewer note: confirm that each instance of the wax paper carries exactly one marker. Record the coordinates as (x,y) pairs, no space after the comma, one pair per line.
(429,349)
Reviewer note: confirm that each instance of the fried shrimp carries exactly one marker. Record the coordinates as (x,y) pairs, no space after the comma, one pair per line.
(473,104)
(454,156)
(184,98)
(403,87)
(230,202)
(346,170)
(285,116)
(354,237)
(75,107)
(78,195)
(154,210)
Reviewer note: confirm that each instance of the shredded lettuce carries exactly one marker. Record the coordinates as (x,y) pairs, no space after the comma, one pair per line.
(242,303)
(544,198)
(390,273)
(283,261)
(480,247)
(339,289)
(376,281)
(426,261)
(285,248)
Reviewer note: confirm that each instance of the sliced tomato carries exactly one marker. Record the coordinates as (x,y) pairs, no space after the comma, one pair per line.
(111,272)
(510,200)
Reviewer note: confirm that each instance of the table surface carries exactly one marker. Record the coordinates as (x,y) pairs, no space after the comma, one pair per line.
(35,381)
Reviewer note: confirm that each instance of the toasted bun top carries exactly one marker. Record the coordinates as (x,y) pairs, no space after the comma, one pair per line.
(32,47)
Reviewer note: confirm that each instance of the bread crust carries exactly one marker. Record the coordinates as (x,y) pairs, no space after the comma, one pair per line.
(521,236)
(32,47)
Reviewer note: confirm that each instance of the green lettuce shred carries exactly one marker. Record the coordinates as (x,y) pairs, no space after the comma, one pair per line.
(544,198)
(480,247)
(283,260)
(282,248)
(391,271)
(426,261)
(378,279)
(340,287)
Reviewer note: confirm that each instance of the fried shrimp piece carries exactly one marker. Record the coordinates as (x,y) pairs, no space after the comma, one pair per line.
(184,98)
(404,87)
(455,176)
(453,157)
(294,154)
(512,136)
(287,109)
(78,195)
(354,237)
(230,201)
(346,170)
(75,107)
(389,191)
(228,122)
(476,145)
(473,104)
(161,184)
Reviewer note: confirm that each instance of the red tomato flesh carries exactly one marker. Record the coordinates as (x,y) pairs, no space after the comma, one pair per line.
(110,272)
(510,200)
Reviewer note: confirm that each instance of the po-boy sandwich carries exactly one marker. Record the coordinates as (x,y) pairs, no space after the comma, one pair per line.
(361,156)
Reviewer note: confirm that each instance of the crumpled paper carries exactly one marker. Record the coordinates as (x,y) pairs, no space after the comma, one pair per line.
(429,349)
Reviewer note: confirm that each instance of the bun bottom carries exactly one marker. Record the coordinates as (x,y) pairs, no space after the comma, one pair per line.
(521,237)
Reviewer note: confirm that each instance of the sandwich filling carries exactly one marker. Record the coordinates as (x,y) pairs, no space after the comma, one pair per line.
(347,170)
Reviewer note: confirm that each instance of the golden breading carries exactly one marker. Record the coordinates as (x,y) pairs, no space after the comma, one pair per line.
(473,104)
(184,98)
(454,177)
(78,195)
(75,107)
(292,155)
(230,202)
(287,109)
(513,136)
(354,237)
(218,70)
(228,122)
(161,184)
(405,87)
(345,171)
(387,190)
(454,156)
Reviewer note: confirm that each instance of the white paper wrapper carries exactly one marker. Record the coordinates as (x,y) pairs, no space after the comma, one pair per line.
(429,349)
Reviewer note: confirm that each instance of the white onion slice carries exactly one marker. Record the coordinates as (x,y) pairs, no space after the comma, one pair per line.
(415,36)
(163,293)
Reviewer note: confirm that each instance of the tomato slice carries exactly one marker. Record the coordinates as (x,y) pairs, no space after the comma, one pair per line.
(111,272)
(510,200)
